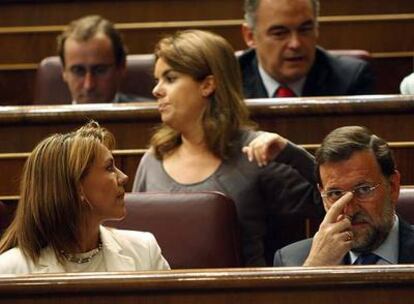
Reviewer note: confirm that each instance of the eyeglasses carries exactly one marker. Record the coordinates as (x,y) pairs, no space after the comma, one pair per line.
(98,70)
(362,193)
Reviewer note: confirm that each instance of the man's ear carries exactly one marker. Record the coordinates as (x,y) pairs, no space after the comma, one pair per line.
(395,187)
(208,86)
(248,35)
(64,74)
(122,67)
(320,188)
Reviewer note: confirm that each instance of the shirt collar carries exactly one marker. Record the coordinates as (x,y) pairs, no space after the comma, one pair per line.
(271,85)
(388,250)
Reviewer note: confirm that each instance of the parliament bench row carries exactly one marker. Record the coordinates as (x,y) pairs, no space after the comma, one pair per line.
(302,120)
(313,285)
(389,69)
(374,33)
(391,54)
(128,160)
(48,12)
(200,229)
(139,79)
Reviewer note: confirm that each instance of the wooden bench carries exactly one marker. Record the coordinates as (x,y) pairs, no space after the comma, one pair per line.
(345,284)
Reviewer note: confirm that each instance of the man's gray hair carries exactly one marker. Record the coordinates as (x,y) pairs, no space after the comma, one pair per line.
(250,8)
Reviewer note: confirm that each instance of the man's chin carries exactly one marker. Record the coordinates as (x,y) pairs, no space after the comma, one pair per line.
(293,75)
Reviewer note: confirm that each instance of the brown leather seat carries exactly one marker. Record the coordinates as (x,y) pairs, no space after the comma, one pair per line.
(360,54)
(194,230)
(405,204)
(51,89)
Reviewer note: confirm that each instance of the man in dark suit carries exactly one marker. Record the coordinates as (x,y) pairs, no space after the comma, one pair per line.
(284,59)
(359,185)
(93,57)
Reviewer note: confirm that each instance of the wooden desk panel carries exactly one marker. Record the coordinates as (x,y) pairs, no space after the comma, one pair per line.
(48,12)
(302,120)
(356,284)
(127,160)
(34,13)
(371,33)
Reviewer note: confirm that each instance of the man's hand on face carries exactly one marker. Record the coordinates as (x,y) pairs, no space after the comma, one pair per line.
(334,237)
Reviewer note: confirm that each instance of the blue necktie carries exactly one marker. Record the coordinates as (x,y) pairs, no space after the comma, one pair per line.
(367,259)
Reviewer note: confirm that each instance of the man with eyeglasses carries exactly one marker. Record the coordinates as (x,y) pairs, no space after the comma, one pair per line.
(93,57)
(359,185)
(284,59)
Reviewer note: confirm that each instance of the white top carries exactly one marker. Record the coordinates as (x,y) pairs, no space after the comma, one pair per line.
(407,85)
(122,250)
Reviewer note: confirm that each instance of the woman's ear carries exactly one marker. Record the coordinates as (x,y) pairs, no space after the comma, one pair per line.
(81,194)
(208,86)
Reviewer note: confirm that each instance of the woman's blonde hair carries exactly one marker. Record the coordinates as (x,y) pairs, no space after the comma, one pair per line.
(200,54)
(50,211)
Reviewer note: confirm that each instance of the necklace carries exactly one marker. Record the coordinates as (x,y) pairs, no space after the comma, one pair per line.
(82,260)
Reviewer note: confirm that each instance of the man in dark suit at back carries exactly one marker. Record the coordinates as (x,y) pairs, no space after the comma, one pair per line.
(284,59)
(359,185)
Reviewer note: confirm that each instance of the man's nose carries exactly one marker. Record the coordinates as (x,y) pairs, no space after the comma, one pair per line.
(351,207)
(89,81)
(294,40)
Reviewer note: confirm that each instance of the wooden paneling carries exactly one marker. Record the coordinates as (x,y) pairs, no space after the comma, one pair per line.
(41,12)
(374,34)
(390,116)
(128,160)
(390,70)
(50,13)
(17,86)
(357,284)
(357,7)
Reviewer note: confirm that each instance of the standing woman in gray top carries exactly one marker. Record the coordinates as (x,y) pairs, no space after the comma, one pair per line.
(206,142)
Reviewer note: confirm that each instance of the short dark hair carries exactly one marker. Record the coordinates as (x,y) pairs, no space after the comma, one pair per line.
(250,8)
(342,142)
(86,28)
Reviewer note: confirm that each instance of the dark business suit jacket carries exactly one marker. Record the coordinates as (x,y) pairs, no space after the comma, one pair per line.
(329,76)
(122,97)
(295,254)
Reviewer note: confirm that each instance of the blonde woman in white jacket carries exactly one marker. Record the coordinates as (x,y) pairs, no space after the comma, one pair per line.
(70,185)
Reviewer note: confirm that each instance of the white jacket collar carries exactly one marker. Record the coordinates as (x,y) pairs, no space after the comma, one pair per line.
(114,259)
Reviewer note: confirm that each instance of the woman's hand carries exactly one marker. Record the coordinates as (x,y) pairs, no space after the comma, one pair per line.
(265,148)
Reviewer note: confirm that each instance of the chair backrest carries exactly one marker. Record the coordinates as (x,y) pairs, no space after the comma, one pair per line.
(51,89)
(405,204)
(194,229)
(360,54)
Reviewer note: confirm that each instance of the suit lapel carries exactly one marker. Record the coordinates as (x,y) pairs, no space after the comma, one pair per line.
(317,77)
(114,259)
(252,82)
(406,243)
